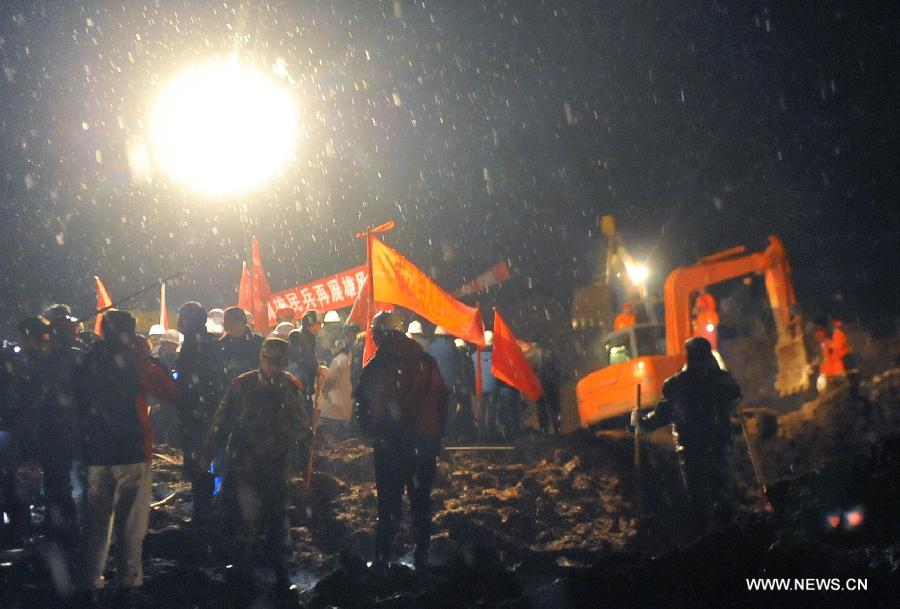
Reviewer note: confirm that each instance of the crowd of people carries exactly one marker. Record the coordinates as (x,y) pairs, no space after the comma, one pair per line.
(245,410)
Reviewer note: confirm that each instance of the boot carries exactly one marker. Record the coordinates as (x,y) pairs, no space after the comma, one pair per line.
(384,539)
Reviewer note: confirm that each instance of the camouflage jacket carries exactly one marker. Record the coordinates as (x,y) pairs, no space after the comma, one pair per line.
(259,422)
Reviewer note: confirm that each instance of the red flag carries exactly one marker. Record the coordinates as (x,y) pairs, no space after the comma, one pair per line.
(509,363)
(163,311)
(244,298)
(398,281)
(361,314)
(494,275)
(259,291)
(103,301)
(365,306)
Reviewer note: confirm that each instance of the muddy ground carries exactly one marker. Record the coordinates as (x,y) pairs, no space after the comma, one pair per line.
(555,522)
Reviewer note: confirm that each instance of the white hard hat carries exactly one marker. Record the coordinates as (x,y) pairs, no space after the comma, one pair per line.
(439,331)
(217,315)
(488,338)
(156,330)
(284,329)
(332,316)
(460,343)
(415,327)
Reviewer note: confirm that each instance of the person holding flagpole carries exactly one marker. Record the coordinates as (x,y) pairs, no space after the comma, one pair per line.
(402,407)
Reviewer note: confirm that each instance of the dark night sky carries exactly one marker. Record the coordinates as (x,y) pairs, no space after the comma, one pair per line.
(699,125)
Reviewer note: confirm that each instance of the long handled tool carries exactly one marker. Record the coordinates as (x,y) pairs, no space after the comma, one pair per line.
(754,460)
(638,482)
(307,484)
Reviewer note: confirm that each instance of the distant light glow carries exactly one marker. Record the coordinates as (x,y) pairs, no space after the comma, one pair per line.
(834,520)
(223,128)
(638,273)
(710,328)
(854,518)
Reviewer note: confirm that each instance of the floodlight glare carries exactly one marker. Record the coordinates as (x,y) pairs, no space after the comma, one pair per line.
(223,128)
(638,273)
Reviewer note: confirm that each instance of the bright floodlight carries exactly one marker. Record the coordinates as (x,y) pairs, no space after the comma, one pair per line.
(223,128)
(638,274)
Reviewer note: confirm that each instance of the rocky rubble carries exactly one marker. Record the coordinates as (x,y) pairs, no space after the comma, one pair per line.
(554,523)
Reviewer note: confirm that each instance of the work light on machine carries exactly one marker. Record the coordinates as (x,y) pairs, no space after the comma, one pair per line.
(638,273)
(223,127)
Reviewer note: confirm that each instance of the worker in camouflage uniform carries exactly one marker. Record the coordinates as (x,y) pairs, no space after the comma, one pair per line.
(698,403)
(258,423)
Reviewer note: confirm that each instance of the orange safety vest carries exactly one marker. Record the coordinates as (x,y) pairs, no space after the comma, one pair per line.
(840,344)
(624,320)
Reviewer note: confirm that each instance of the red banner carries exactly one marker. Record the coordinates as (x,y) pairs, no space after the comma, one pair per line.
(494,275)
(335,292)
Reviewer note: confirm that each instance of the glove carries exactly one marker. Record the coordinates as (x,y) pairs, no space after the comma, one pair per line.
(635,419)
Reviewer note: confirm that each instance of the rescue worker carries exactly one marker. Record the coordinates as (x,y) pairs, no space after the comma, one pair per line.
(260,420)
(24,383)
(304,363)
(626,318)
(449,363)
(545,365)
(465,417)
(831,365)
(285,314)
(415,332)
(402,408)
(706,318)
(201,379)
(111,391)
(57,422)
(698,403)
(487,414)
(841,346)
(240,344)
(337,399)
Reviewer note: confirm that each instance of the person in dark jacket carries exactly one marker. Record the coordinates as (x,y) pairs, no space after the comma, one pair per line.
(698,402)
(258,423)
(544,363)
(201,381)
(304,361)
(111,391)
(24,383)
(240,344)
(57,422)
(402,408)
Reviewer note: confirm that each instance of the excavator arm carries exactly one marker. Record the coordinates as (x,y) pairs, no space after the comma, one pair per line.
(790,349)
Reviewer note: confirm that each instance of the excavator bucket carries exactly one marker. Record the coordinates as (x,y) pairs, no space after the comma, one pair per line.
(793,364)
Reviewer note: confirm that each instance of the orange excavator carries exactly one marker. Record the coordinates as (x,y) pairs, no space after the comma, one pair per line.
(647,354)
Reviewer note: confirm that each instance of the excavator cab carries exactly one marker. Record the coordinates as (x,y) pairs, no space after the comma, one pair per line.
(634,355)
(633,342)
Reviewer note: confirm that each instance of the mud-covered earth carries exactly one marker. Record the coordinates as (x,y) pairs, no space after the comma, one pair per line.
(559,522)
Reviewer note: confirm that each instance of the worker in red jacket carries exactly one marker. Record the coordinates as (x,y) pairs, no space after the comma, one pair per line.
(626,318)
(402,408)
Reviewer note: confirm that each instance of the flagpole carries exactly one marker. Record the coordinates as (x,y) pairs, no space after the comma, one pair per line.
(130,296)
(163,314)
(478,381)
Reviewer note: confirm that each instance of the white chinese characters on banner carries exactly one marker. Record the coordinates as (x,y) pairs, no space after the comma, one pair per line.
(336,292)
